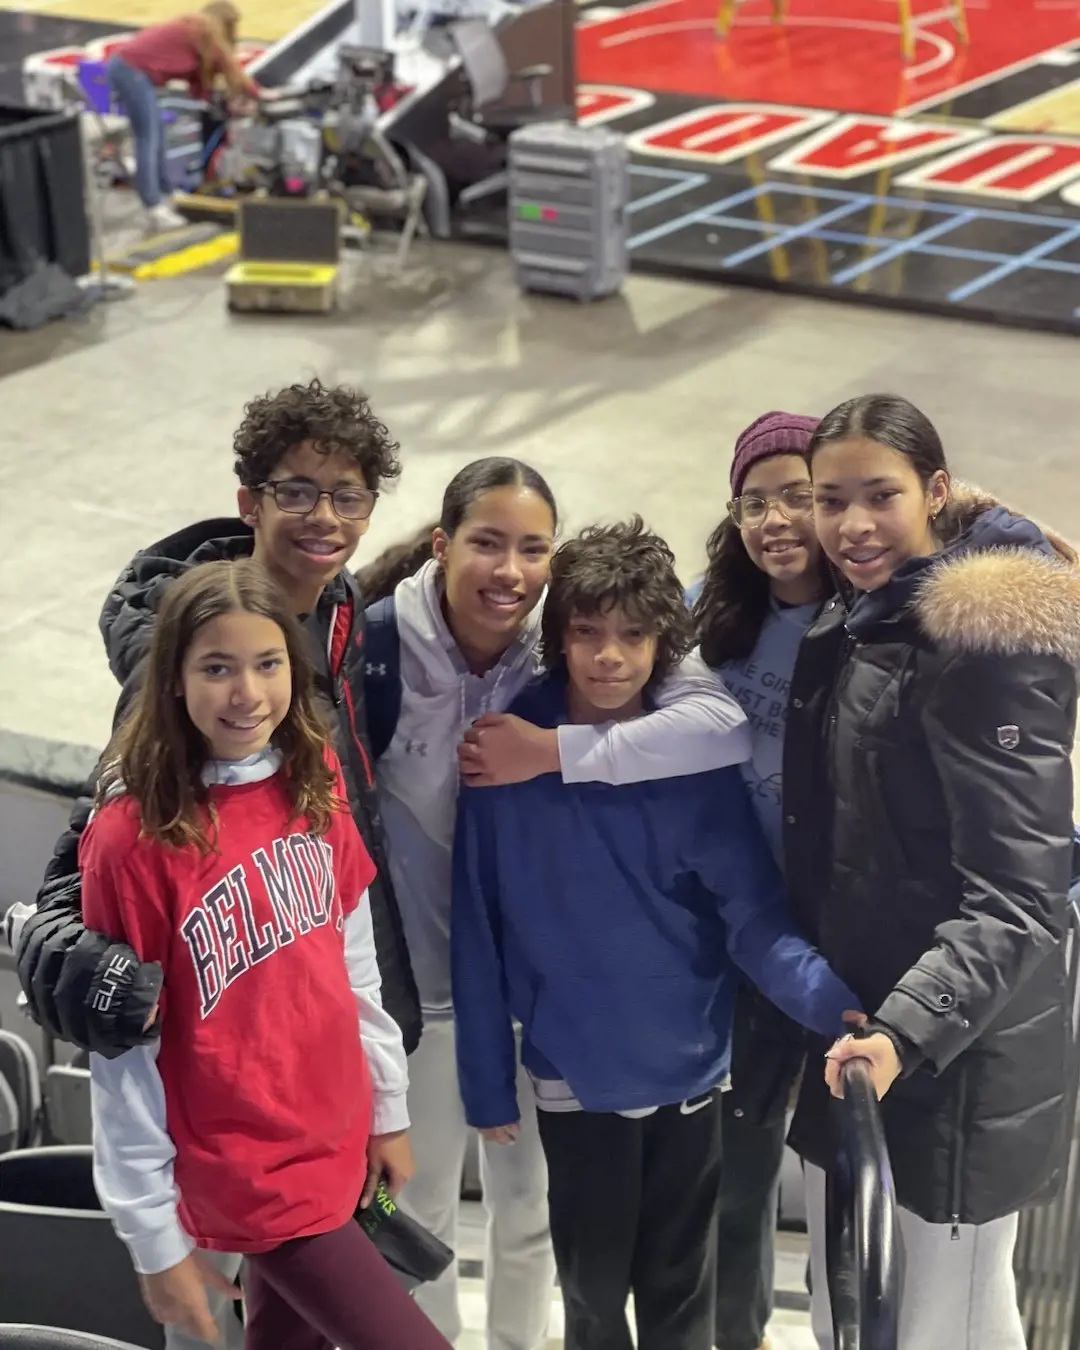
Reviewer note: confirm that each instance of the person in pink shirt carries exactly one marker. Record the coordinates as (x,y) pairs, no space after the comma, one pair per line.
(197,48)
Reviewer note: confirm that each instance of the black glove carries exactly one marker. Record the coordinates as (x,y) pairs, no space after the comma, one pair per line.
(86,988)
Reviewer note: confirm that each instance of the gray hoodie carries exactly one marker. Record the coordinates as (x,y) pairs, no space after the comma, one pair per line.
(698,726)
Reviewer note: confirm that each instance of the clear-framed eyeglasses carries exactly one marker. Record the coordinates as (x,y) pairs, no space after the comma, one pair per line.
(752,507)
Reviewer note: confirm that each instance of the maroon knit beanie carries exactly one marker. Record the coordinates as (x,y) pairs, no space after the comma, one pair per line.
(774,433)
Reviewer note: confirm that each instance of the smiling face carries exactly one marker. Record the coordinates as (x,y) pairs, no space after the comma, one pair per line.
(872,511)
(236,682)
(304,553)
(783,543)
(495,567)
(609,659)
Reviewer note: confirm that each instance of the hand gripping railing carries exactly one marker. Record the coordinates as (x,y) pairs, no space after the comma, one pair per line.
(860,1219)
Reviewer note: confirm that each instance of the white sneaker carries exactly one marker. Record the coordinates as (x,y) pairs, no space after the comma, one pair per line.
(162,218)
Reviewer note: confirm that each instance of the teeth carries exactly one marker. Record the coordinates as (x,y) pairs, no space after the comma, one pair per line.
(319,546)
(502,597)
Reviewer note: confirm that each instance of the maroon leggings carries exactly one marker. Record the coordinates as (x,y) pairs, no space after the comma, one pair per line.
(332,1290)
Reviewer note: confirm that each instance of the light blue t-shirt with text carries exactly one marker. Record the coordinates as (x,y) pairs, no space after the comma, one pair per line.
(762,685)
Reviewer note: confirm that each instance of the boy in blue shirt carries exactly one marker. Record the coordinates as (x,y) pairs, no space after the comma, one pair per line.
(607,921)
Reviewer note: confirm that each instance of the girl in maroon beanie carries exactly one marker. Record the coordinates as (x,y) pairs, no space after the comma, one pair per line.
(763,587)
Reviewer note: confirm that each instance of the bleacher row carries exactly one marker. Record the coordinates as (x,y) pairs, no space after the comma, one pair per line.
(62,1266)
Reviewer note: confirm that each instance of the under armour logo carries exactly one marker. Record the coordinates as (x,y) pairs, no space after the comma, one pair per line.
(416,748)
(369,669)
(1008,737)
(105,994)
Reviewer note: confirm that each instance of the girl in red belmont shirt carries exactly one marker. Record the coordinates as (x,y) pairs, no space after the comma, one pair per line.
(222,849)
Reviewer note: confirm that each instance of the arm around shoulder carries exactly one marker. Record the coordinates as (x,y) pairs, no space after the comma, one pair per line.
(697,726)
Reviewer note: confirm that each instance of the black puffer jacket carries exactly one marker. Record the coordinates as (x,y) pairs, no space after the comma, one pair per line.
(929,825)
(88,990)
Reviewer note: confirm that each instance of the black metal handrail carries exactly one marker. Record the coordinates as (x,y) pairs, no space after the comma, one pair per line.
(860,1218)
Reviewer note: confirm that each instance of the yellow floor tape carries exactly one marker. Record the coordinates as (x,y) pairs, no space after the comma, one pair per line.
(189,259)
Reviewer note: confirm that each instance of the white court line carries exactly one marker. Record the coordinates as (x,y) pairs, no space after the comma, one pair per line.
(981,81)
(909,109)
(945,49)
(865,25)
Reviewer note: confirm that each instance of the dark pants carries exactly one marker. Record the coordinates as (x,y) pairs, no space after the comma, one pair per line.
(633,1210)
(332,1290)
(746,1229)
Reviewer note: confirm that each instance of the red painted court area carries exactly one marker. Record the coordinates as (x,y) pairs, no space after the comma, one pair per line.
(840,54)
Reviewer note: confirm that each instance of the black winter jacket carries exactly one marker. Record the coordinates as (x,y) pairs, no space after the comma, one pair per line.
(928,831)
(83,987)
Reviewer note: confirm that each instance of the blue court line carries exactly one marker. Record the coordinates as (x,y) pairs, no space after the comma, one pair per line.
(900,247)
(688,183)
(651,171)
(691,218)
(1017,264)
(1003,265)
(880,243)
(904,203)
(914,204)
(795,232)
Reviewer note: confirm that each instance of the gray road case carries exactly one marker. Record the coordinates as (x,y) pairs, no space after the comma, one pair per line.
(569,188)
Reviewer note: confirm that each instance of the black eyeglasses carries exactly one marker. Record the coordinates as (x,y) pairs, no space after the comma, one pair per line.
(753,507)
(299,498)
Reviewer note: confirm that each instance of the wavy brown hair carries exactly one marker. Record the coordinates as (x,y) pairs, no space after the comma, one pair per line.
(620,565)
(157,754)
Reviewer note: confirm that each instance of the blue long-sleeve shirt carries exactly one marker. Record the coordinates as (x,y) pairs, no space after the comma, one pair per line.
(607,921)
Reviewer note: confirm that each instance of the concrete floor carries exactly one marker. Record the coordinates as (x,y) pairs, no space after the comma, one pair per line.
(116,430)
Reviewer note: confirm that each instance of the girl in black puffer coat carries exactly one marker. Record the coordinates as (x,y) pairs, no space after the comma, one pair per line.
(928,803)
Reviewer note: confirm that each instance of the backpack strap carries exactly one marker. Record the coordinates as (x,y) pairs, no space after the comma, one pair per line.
(382,674)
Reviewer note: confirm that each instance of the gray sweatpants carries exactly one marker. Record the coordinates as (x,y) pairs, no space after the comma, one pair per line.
(231,1333)
(519,1265)
(954,1295)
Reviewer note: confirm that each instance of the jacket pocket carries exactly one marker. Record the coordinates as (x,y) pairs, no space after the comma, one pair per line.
(930,991)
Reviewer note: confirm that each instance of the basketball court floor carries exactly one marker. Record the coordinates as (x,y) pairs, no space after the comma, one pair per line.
(805,153)
(809,153)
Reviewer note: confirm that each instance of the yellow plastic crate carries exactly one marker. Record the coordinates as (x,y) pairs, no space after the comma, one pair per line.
(282,288)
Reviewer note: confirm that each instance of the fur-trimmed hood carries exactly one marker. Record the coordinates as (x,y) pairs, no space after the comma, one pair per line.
(1003,584)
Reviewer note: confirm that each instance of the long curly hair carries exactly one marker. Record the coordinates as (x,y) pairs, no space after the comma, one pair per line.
(622,565)
(157,753)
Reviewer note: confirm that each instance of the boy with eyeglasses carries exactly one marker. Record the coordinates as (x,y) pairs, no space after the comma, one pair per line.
(310,460)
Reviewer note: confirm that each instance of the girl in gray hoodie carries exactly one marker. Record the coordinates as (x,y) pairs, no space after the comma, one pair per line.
(468,623)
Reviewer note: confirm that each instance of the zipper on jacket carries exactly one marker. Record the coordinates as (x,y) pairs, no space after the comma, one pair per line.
(905,662)
(957,1178)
